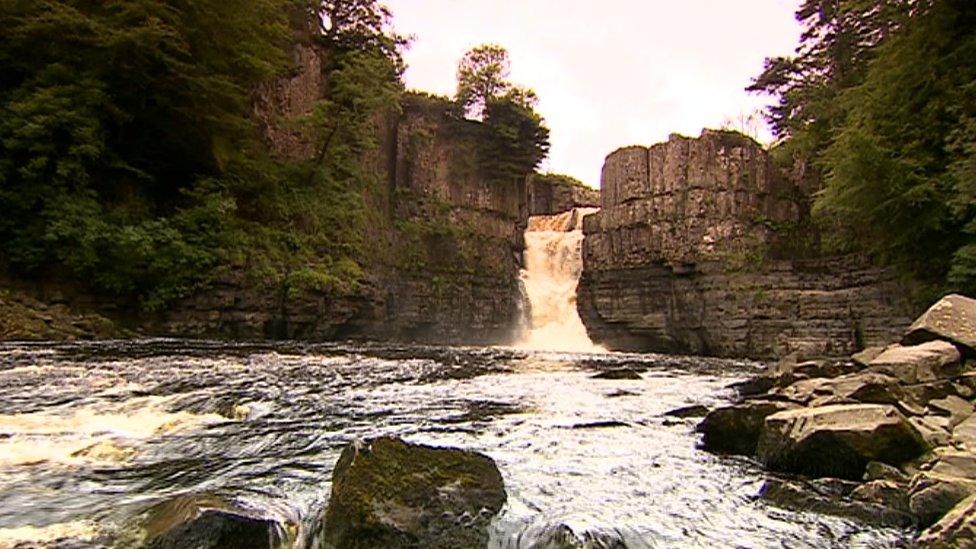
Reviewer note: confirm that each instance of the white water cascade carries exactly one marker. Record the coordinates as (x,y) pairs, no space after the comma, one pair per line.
(553,262)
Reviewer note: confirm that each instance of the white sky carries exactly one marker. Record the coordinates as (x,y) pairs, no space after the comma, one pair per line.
(608,73)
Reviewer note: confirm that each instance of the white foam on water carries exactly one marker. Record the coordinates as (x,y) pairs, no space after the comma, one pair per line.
(553,263)
(91,434)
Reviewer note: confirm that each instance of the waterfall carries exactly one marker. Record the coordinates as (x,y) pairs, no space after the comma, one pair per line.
(553,262)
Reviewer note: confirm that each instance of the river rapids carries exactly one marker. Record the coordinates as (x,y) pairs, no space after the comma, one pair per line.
(92,434)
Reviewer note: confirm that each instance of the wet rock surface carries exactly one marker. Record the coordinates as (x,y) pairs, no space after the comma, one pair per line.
(736,429)
(957,529)
(206,522)
(389,493)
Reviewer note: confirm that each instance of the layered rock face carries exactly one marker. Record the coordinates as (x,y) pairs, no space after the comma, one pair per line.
(444,247)
(683,258)
(552,194)
(449,269)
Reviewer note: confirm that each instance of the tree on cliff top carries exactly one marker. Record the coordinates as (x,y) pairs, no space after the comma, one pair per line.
(902,158)
(516,138)
(838,40)
(362,26)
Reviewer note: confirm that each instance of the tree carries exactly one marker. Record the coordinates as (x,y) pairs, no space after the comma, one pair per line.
(838,40)
(359,26)
(901,159)
(515,137)
(482,77)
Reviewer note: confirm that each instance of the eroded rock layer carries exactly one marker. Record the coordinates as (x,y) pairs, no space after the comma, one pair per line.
(686,256)
(443,248)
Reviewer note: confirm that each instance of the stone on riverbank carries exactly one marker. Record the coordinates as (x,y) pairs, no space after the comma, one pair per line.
(928,361)
(735,429)
(822,496)
(931,496)
(390,493)
(204,522)
(952,318)
(837,440)
(957,529)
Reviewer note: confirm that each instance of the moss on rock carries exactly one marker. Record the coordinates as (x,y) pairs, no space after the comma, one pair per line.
(24,318)
(390,493)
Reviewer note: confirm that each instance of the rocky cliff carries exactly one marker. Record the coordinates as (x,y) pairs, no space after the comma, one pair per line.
(686,256)
(443,249)
(551,194)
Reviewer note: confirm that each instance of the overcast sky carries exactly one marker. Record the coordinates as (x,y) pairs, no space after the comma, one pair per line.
(608,73)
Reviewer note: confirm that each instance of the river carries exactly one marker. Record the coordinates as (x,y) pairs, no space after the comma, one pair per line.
(91,434)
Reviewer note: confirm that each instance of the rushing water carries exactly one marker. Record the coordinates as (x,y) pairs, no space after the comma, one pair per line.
(553,263)
(91,434)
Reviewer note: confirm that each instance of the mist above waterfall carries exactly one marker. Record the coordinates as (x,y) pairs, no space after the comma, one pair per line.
(553,262)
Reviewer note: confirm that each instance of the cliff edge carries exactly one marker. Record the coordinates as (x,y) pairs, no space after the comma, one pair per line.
(686,255)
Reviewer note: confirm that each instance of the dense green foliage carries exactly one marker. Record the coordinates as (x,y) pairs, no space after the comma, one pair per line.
(129,158)
(515,137)
(882,99)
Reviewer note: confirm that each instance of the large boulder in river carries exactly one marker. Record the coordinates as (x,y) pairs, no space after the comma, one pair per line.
(953,319)
(390,493)
(928,361)
(837,440)
(735,429)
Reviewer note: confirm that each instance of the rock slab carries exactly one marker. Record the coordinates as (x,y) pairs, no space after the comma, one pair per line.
(952,318)
(837,440)
(736,429)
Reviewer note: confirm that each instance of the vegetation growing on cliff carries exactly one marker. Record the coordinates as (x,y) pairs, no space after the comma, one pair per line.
(514,137)
(129,157)
(881,97)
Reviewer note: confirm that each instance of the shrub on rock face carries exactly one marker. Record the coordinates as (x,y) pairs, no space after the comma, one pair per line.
(837,441)
(390,493)
(953,319)
(735,429)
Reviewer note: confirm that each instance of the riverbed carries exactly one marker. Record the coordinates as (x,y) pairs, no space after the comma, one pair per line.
(92,434)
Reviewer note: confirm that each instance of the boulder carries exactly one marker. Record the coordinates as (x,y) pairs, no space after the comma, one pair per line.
(619,373)
(754,385)
(390,493)
(837,440)
(929,361)
(809,497)
(695,410)
(957,529)
(886,493)
(863,358)
(735,429)
(931,496)
(207,522)
(923,393)
(952,318)
(875,470)
(865,387)
(953,407)
(933,432)
(953,463)
(964,434)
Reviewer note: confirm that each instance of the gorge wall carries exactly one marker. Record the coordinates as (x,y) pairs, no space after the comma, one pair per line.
(692,252)
(443,246)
